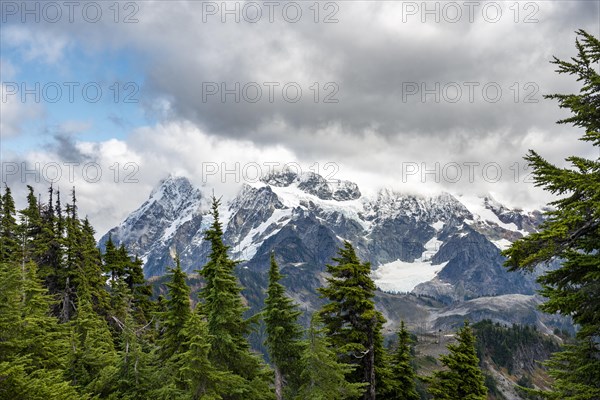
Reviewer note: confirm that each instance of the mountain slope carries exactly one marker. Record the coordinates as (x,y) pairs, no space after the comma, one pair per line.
(442,247)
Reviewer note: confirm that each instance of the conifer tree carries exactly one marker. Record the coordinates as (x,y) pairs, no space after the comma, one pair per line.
(43,338)
(48,249)
(133,373)
(463,378)
(323,377)
(32,343)
(18,381)
(223,308)
(143,306)
(10,310)
(404,377)
(9,240)
(185,369)
(30,227)
(110,258)
(178,311)
(83,264)
(283,333)
(571,232)
(120,305)
(197,375)
(90,265)
(124,270)
(353,324)
(92,352)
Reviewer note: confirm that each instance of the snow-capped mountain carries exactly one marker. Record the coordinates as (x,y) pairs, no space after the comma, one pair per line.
(164,221)
(443,247)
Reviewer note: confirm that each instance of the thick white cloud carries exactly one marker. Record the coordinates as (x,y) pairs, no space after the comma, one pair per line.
(378,133)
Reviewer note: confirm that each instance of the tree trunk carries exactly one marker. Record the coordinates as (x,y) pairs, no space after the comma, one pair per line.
(278,384)
(370,365)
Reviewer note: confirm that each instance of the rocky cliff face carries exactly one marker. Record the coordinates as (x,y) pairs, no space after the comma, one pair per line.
(442,247)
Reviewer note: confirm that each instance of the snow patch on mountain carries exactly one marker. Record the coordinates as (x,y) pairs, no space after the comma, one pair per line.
(390,204)
(399,276)
(479,207)
(315,184)
(249,245)
(292,197)
(502,244)
(438,225)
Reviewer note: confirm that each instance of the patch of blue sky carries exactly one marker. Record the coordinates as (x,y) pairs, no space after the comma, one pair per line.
(100,91)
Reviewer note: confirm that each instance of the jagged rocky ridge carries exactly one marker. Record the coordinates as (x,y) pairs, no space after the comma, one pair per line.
(443,250)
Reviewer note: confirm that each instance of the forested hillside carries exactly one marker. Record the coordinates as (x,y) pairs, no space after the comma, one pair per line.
(80,323)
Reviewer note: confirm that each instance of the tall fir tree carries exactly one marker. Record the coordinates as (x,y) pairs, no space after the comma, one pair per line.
(462,378)
(49,249)
(404,376)
(178,311)
(571,232)
(84,261)
(185,370)
(140,289)
(90,265)
(123,269)
(284,334)
(110,258)
(30,227)
(224,309)
(352,322)
(323,377)
(9,229)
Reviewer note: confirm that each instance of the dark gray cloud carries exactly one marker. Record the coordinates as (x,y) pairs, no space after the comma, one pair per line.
(376,65)
(65,145)
(374,57)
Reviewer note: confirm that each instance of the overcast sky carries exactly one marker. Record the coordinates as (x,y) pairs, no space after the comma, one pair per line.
(417,96)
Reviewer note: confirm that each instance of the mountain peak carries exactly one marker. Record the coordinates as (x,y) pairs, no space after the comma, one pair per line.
(281,178)
(315,184)
(171,183)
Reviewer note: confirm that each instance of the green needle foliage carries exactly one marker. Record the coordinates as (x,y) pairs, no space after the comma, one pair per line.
(353,324)
(463,378)
(32,344)
(571,233)
(224,309)
(404,376)
(323,376)
(9,240)
(177,314)
(284,334)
